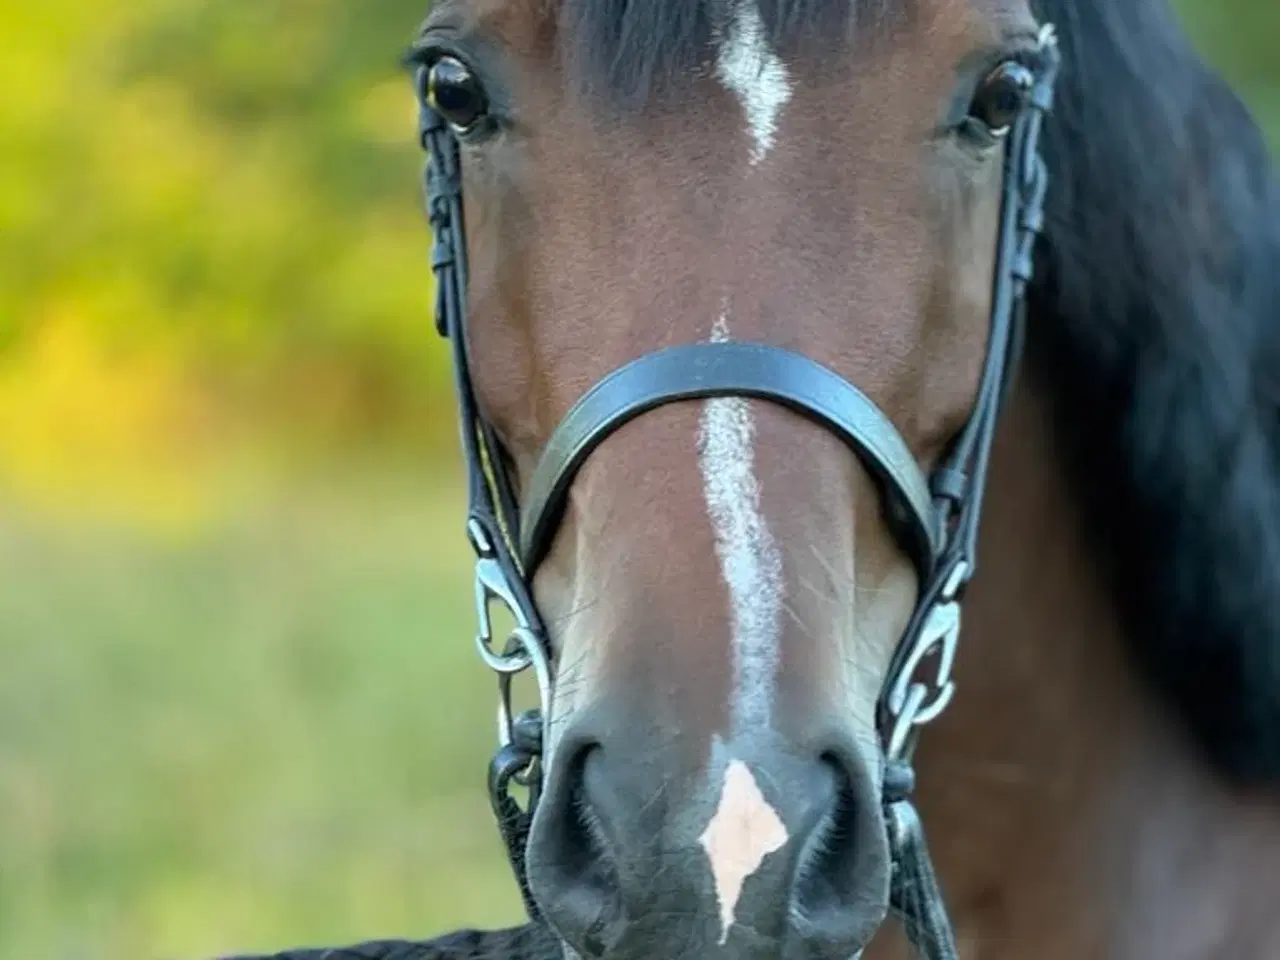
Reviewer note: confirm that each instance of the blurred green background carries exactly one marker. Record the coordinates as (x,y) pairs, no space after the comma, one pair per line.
(238,704)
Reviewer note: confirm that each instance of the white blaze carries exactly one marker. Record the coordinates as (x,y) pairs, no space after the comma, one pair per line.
(749,68)
(744,830)
(749,558)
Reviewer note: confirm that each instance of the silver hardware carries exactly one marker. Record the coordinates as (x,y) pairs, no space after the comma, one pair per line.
(491,585)
(914,702)
(479,539)
(524,648)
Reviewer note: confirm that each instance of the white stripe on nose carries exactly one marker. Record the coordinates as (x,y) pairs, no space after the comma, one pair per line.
(749,558)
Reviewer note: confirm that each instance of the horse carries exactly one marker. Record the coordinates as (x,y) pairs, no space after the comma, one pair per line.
(737,292)
(716,577)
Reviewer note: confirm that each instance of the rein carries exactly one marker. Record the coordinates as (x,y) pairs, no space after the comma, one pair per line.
(935,518)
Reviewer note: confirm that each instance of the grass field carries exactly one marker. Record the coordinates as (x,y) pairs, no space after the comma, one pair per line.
(269,734)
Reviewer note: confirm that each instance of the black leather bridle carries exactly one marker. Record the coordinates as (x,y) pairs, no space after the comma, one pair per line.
(936,518)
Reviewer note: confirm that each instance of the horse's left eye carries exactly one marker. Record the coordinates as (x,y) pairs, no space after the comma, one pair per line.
(1000,97)
(454,92)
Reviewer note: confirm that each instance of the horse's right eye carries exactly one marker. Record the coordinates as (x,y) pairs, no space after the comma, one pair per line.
(455,93)
(1001,96)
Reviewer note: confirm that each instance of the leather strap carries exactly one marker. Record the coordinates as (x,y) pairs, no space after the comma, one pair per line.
(730,368)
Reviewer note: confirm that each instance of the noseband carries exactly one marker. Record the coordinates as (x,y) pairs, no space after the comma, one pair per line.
(935,518)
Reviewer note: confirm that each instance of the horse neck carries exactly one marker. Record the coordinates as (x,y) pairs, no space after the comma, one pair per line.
(1068,816)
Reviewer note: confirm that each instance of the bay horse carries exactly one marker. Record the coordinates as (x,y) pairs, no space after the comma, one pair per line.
(719,568)
(740,271)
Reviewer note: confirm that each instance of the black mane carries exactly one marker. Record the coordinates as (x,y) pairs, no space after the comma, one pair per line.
(1156,326)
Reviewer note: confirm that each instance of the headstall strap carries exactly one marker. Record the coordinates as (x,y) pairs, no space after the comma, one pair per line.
(912,698)
(919,685)
(492,516)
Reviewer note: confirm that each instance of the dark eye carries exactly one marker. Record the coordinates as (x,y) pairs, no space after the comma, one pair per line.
(1000,97)
(455,93)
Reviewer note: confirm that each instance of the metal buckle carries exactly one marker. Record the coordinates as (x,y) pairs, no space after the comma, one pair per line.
(522,739)
(524,648)
(912,701)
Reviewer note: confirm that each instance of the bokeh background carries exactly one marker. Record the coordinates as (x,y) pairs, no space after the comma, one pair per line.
(238,704)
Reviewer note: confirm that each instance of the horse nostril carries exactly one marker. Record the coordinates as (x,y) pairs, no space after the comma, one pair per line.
(841,890)
(571,870)
(830,845)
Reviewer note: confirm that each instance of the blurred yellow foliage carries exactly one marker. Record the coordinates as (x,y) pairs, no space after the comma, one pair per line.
(78,419)
(210,212)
